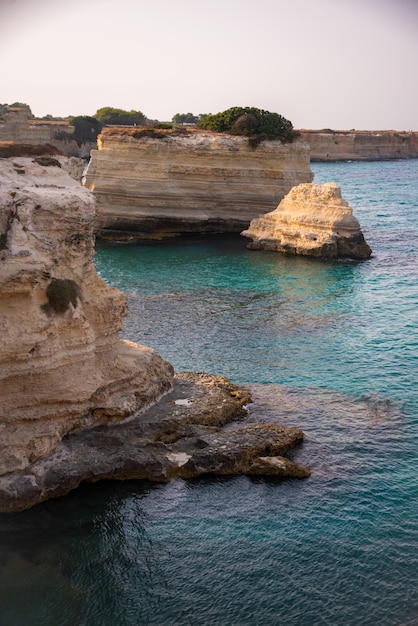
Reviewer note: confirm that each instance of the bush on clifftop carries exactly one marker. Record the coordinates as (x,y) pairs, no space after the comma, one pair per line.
(250,122)
(86,129)
(109,115)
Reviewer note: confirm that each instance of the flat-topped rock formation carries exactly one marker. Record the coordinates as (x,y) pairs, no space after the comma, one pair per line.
(62,363)
(352,145)
(151,182)
(312,220)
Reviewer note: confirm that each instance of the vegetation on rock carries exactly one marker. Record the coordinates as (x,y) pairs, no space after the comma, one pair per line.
(86,129)
(61,292)
(110,115)
(256,124)
(47,161)
(10,149)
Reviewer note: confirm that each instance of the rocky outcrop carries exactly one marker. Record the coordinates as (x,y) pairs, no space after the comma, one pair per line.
(351,145)
(312,220)
(18,126)
(181,436)
(152,182)
(62,364)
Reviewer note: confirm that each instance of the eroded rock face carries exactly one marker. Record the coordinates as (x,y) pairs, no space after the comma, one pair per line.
(163,183)
(62,364)
(195,429)
(312,220)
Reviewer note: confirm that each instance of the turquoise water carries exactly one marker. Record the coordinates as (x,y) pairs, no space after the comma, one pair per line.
(330,347)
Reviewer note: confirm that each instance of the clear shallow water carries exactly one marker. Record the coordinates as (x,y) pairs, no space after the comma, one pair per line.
(330,347)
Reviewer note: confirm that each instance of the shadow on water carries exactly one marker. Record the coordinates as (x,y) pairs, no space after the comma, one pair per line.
(86,558)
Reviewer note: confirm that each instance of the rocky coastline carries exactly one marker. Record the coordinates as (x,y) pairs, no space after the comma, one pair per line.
(196,429)
(77,402)
(366,145)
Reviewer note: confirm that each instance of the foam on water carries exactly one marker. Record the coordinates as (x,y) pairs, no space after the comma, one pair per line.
(329,347)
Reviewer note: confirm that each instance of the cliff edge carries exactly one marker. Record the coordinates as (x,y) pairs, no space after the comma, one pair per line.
(62,364)
(358,145)
(151,182)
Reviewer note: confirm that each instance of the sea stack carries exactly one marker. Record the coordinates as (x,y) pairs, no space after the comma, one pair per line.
(157,183)
(63,365)
(311,220)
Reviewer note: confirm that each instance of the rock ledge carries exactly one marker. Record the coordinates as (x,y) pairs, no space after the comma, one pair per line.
(192,431)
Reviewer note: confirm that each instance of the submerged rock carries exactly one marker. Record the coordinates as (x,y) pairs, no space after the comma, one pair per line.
(193,430)
(311,220)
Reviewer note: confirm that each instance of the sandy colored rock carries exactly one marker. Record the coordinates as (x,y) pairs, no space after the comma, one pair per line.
(156,183)
(312,220)
(62,364)
(18,126)
(356,145)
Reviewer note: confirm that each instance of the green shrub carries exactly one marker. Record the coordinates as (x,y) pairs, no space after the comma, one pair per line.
(250,122)
(110,115)
(61,292)
(148,132)
(86,129)
(47,161)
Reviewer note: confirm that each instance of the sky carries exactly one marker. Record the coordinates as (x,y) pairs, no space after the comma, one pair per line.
(337,64)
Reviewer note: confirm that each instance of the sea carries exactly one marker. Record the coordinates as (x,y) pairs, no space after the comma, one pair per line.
(330,347)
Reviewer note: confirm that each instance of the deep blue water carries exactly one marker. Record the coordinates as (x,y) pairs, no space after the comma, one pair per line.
(330,347)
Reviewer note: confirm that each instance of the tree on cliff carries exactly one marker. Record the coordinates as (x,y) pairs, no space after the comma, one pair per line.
(109,115)
(250,122)
(86,128)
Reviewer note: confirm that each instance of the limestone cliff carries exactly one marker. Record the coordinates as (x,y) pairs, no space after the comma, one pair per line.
(354,145)
(154,182)
(62,364)
(18,126)
(312,220)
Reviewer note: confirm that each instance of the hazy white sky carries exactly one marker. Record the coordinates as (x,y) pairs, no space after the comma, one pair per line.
(320,63)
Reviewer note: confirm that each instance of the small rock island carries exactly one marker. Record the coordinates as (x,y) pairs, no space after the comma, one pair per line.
(311,220)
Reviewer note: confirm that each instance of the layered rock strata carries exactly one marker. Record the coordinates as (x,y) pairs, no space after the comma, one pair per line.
(181,436)
(154,182)
(312,220)
(346,145)
(62,364)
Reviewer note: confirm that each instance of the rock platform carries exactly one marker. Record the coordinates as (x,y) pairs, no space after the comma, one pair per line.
(196,429)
